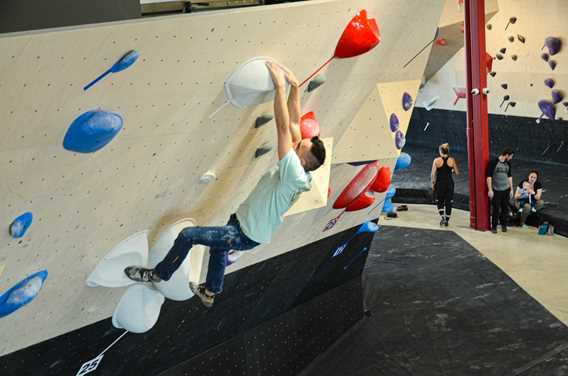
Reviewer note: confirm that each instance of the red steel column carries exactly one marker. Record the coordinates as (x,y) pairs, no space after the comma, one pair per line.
(477,118)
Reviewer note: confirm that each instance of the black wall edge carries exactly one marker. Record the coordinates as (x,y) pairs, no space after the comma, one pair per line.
(17,15)
(273,318)
(547,141)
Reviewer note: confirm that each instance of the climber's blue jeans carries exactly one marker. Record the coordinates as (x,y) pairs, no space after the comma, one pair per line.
(220,241)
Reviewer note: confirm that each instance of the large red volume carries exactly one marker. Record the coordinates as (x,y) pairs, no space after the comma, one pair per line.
(309,126)
(364,200)
(359,184)
(383,180)
(360,35)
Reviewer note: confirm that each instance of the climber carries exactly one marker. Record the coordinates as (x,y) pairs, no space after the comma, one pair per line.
(258,217)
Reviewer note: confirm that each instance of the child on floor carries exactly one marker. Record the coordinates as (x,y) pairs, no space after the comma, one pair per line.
(527,197)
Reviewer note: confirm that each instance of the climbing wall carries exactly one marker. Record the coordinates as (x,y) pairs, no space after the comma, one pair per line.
(150,174)
(516,39)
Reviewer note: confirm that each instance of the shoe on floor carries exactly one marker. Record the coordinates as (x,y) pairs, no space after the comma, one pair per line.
(140,274)
(442,222)
(201,292)
(503,228)
(446,223)
(494,230)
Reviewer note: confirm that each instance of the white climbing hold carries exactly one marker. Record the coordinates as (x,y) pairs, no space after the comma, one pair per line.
(177,288)
(208,177)
(110,270)
(430,104)
(250,84)
(138,309)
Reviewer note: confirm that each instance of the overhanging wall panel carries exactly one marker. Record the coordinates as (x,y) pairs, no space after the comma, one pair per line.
(148,175)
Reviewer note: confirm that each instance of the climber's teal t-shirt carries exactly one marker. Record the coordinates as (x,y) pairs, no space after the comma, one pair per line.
(275,193)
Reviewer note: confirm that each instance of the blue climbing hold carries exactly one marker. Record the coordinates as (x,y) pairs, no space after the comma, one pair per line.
(124,62)
(404,160)
(91,131)
(387,207)
(20,225)
(22,293)
(390,193)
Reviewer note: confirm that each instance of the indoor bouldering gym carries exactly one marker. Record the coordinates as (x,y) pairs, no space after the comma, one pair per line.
(284,188)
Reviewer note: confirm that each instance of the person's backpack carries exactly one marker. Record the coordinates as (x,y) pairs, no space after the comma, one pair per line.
(545,229)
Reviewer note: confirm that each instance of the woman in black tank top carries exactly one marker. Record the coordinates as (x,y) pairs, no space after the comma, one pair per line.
(443,167)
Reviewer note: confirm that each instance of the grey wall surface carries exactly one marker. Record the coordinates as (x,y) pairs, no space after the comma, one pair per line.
(16,15)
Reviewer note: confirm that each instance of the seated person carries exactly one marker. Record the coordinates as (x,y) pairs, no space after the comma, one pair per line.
(528,196)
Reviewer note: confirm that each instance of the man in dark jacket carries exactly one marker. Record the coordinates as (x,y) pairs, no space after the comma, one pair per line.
(500,188)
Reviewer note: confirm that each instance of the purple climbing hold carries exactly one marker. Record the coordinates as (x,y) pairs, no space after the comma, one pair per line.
(553,44)
(557,96)
(394,123)
(544,56)
(399,140)
(406,101)
(549,82)
(552,64)
(548,109)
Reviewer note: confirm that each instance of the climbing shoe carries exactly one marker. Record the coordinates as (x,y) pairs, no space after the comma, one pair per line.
(139,274)
(206,297)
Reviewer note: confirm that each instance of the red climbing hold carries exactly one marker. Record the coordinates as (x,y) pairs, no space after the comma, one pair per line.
(359,184)
(461,93)
(364,200)
(383,180)
(309,126)
(489,62)
(360,35)
(441,41)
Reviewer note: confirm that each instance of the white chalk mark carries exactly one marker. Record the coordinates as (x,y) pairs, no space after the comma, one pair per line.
(219,109)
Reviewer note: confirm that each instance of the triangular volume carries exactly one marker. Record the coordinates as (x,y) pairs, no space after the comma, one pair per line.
(138,309)
(250,84)
(177,287)
(110,270)
(398,99)
(355,144)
